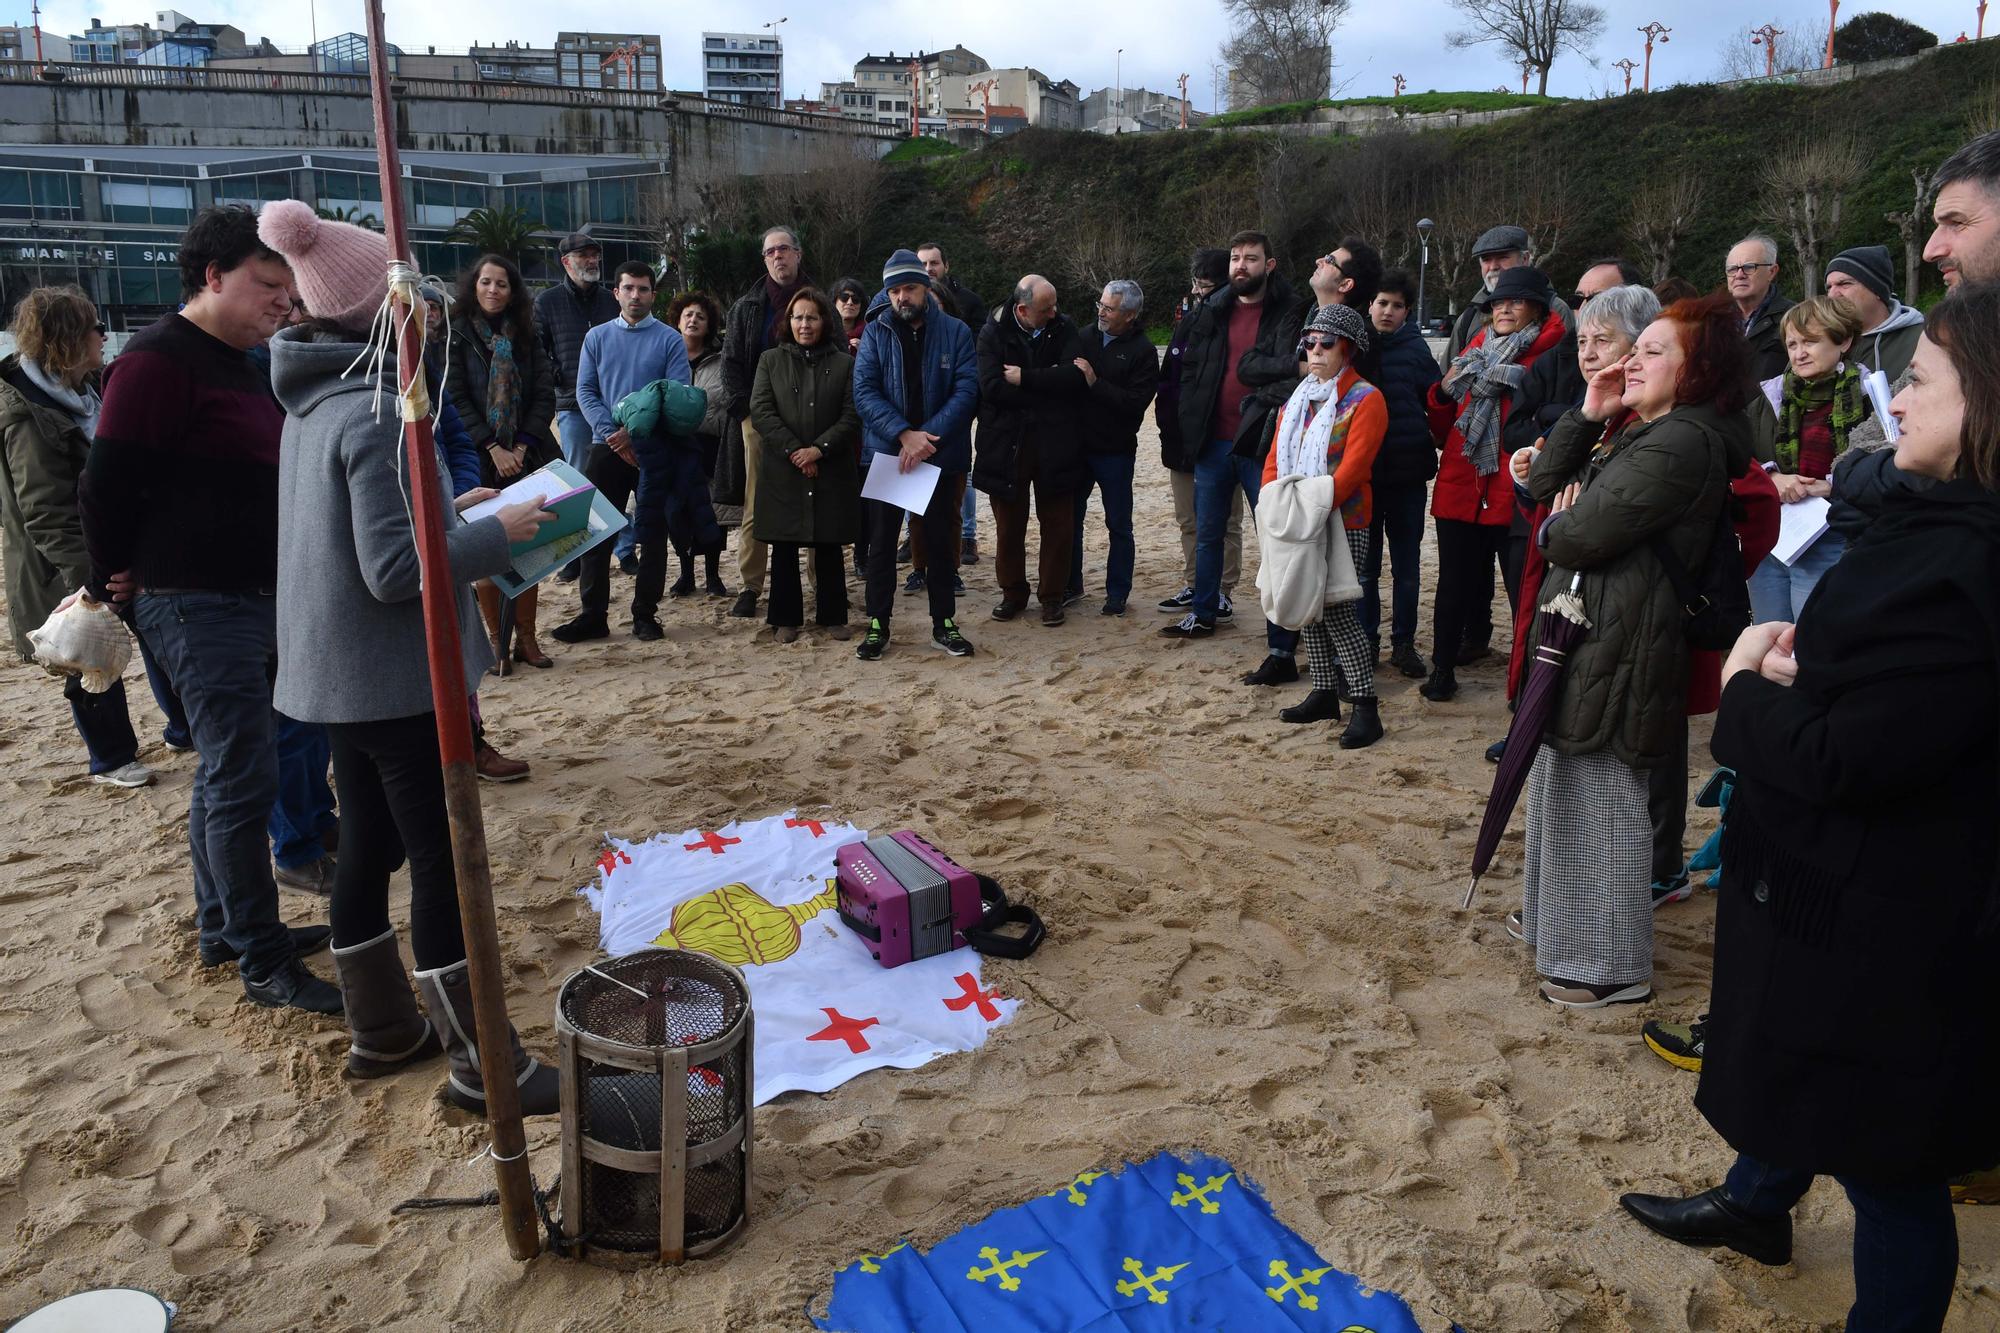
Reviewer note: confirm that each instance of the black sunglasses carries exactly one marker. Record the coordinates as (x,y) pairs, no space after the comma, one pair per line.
(101,330)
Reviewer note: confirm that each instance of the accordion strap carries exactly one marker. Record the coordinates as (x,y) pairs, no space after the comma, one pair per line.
(988,938)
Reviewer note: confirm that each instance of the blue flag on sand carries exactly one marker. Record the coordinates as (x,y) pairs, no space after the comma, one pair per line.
(1166,1244)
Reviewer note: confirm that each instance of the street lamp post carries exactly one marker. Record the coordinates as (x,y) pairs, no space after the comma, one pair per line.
(1653,30)
(1981,33)
(1118,89)
(1628,65)
(1424,226)
(778,91)
(1401,83)
(1832,22)
(1767,37)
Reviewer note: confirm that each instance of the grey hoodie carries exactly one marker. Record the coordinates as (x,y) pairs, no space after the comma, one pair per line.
(350,620)
(1889,346)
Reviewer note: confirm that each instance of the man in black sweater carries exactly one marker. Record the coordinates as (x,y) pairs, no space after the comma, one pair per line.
(1122,368)
(563,314)
(180,514)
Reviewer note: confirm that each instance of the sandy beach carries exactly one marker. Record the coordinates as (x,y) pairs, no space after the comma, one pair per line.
(1253,951)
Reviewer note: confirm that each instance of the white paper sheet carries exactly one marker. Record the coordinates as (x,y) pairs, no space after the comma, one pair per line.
(1876,385)
(539,485)
(1799,526)
(910,490)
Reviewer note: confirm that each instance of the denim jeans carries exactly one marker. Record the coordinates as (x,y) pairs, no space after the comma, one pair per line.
(1778,591)
(1399,517)
(1218,472)
(176,732)
(304,808)
(104,723)
(1111,474)
(220,650)
(1905,1242)
(969,514)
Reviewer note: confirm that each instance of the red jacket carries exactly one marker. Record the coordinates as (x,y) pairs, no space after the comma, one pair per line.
(1461,493)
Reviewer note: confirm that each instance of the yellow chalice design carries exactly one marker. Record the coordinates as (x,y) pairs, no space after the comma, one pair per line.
(738,925)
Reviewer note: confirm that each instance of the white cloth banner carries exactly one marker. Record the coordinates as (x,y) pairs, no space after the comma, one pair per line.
(759,895)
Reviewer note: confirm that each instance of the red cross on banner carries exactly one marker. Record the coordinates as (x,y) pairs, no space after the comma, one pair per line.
(813,825)
(970,994)
(612,859)
(842,1028)
(715,842)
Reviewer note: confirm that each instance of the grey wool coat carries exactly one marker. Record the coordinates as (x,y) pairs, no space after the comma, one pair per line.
(350,618)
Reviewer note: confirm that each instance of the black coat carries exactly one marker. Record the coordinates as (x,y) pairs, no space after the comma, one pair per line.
(1408,453)
(562,316)
(1854,1025)
(1270,369)
(1128,370)
(743,343)
(1766,339)
(959,299)
(1045,408)
(1167,399)
(465,380)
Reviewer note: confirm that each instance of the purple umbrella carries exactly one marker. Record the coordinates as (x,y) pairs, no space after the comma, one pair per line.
(1563,623)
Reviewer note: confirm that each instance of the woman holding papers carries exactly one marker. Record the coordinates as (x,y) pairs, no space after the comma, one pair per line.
(502,383)
(1811,409)
(1851,1032)
(808,493)
(351,655)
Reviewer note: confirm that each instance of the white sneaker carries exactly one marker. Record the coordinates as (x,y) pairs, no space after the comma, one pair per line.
(134,774)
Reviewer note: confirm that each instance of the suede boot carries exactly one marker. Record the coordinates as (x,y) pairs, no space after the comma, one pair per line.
(489,611)
(386,1031)
(526,649)
(447,993)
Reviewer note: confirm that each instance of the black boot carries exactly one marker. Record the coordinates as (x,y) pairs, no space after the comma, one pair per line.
(712,562)
(1273,670)
(1317,706)
(1710,1219)
(684,585)
(1364,726)
(1442,685)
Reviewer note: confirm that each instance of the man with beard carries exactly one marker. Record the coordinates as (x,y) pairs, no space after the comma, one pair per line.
(1240,364)
(957,299)
(563,314)
(916,385)
(1497,250)
(1123,368)
(752,331)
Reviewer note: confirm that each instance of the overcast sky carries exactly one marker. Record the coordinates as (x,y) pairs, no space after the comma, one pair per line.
(1076,40)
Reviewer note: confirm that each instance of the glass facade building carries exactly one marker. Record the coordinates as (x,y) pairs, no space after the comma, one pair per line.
(112,225)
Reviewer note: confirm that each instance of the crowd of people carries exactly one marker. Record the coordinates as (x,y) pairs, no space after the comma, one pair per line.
(226,485)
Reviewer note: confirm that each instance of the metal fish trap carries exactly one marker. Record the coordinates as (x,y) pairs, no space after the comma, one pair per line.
(656,1093)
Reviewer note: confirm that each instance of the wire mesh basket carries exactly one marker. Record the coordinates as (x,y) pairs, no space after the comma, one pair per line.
(656,1092)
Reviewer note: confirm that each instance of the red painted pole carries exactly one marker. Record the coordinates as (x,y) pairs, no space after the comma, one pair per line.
(454,722)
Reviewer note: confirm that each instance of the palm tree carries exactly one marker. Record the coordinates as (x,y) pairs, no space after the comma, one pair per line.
(499,231)
(352,213)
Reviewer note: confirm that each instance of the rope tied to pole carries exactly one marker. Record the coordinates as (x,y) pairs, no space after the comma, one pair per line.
(408,285)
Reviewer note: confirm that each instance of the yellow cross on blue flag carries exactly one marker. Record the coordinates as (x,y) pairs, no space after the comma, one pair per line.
(1165,1244)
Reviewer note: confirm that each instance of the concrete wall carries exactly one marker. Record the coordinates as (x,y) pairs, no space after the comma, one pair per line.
(1374,120)
(430,117)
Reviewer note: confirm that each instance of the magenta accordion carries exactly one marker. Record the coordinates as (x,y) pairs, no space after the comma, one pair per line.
(905,898)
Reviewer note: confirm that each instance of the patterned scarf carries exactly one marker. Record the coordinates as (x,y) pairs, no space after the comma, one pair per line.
(1313,448)
(1842,389)
(1480,378)
(503,380)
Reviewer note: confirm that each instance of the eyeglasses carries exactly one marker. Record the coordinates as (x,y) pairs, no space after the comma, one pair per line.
(100,329)
(1332,263)
(1744,270)
(1104,309)
(1327,340)
(774,251)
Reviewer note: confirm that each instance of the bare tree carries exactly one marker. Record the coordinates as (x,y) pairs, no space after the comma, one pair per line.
(1805,185)
(1982,114)
(1541,187)
(1912,226)
(1107,245)
(1532,32)
(1296,197)
(1662,214)
(1802,46)
(1467,195)
(1281,50)
(1213,216)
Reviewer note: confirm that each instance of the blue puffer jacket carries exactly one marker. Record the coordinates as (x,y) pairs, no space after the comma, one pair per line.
(951,386)
(1408,371)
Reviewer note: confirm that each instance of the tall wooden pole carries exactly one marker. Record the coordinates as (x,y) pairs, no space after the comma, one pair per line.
(454,722)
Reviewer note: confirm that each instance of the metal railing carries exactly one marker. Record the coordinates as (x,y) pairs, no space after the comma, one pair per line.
(213,78)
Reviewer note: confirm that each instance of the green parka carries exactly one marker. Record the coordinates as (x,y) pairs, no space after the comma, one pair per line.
(804,397)
(1624,686)
(42,451)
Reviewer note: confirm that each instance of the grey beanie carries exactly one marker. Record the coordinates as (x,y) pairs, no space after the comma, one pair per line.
(1870,266)
(904,266)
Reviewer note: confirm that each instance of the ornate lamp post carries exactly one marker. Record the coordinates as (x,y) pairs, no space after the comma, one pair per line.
(1628,65)
(1652,30)
(1767,37)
